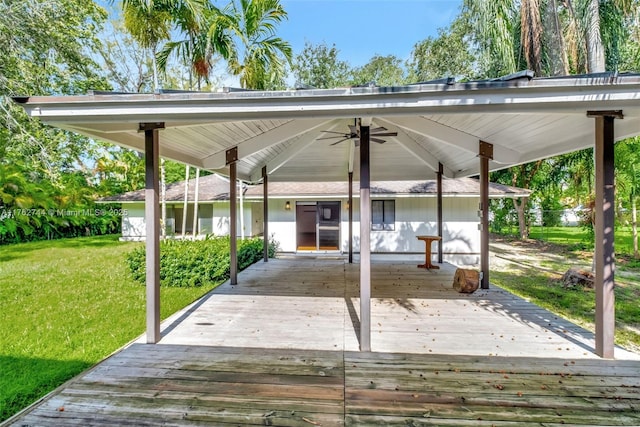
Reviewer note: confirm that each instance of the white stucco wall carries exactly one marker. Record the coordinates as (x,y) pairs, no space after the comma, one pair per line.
(414,216)
(213,219)
(133,224)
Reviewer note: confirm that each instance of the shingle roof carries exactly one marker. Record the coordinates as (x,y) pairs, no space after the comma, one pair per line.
(214,187)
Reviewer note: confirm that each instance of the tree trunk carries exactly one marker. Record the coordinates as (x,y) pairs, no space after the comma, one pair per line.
(241,192)
(558,62)
(595,49)
(531,35)
(185,206)
(163,201)
(520,206)
(634,226)
(195,205)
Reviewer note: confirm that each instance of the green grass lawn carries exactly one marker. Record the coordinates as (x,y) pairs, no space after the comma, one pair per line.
(579,238)
(577,304)
(67,304)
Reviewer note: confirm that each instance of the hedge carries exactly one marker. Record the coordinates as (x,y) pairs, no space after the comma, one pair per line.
(194,263)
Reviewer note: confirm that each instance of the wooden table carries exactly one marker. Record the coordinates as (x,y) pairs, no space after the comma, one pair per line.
(427,255)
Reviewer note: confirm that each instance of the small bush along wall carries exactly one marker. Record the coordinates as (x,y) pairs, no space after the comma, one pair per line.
(194,263)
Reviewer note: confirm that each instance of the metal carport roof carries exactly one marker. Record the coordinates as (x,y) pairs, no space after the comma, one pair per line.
(525,119)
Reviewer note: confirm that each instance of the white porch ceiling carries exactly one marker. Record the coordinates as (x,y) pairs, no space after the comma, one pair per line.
(436,123)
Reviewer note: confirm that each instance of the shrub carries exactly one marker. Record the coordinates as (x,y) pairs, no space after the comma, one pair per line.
(194,263)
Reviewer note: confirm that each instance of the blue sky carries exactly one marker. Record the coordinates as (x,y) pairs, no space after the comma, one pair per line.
(363,28)
(358,28)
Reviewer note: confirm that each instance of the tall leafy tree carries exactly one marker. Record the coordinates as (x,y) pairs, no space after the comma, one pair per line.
(494,31)
(553,37)
(628,182)
(125,63)
(150,22)
(261,58)
(447,55)
(319,66)
(381,71)
(51,52)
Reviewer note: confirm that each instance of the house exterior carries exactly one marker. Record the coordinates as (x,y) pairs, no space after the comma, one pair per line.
(313,217)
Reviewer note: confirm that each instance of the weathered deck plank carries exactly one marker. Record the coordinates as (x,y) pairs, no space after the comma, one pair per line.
(173,385)
(280,349)
(412,389)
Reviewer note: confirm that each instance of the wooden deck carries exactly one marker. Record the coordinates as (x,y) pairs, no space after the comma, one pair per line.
(280,348)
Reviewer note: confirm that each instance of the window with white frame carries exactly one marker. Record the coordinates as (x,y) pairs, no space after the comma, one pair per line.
(383,215)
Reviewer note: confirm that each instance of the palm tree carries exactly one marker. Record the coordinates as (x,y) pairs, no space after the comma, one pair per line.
(531,34)
(494,31)
(202,41)
(148,25)
(150,22)
(264,56)
(551,37)
(628,181)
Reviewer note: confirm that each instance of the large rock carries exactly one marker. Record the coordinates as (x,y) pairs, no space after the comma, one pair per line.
(466,281)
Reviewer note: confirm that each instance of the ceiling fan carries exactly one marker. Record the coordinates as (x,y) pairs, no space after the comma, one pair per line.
(354,133)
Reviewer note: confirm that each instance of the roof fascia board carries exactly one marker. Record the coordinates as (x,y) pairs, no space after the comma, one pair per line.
(265,140)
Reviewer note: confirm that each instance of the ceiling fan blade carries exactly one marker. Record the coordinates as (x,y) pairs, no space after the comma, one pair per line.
(334,132)
(386,134)
(378,129)
(333,137)
(378,140)
(342,140)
